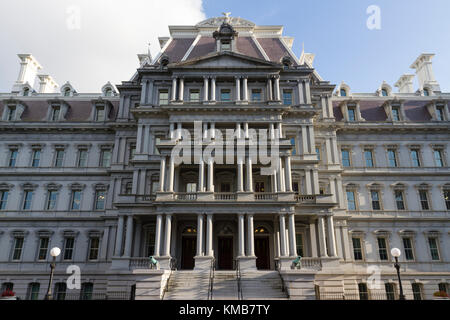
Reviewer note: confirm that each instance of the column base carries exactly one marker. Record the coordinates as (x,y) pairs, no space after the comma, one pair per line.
(203,262)
(247,263)
(285,263)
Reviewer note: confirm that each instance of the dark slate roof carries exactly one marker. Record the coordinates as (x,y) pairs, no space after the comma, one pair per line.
(274,49)
(372,110)
(246,46)
(178,48)
(416,111)
(204,46)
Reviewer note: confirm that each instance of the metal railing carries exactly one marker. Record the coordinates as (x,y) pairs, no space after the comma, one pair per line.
(211,278)
(238,279)
(283,284)
(225,196)
(173,264)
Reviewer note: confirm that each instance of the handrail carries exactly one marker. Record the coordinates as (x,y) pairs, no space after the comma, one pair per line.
(211,278)
(283,284)
(238,279)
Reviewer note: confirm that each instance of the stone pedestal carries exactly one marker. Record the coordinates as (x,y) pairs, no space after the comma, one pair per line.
(205,196)
(247,263)
(163,262)
(245,196)
(285,263)
(202,262)
(164,196)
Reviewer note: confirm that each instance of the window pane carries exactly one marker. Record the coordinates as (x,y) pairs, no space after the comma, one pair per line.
(33,291)
(395,114)
(351,114)
(100,200)
(424,200)
(392,158)
(299,242)
(12,158)
(345,158)
(100,114)
(3,199)
(382,249)
(369,158)
(439,114)
(18,246)
(399,200)
(415,158)
(417,291)
(287,98)
(438,158)
(76,200)
(433,248)
(36,158)
(363,293)
(389,287)
(106,158)
(43,248)
(447,199)
(351,200)
(163,97)
(194,96)
(357,250)
(68,248)
(82,158)
(51,201)
(225,95)
(93,250)
(59,158)
(407,246)
(256,95)
(375,200)
(28,197)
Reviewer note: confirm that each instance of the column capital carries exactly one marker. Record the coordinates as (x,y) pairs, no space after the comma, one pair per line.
(174,77)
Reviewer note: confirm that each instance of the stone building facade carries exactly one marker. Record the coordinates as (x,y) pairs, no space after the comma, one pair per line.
(356,174)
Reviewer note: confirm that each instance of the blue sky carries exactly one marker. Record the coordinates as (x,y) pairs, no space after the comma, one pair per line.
(104,46)
(345,48)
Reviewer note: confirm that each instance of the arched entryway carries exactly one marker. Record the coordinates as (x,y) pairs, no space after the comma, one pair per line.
(188,247)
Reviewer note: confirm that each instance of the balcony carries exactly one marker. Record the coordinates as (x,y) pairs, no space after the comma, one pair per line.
(224,196)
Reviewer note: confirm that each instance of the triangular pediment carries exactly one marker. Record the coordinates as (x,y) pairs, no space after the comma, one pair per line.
(225,60)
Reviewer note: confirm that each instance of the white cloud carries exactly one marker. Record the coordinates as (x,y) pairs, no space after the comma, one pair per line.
(98,46)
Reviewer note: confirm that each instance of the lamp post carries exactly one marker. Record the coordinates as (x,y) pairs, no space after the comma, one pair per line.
(54,253)
(395,252)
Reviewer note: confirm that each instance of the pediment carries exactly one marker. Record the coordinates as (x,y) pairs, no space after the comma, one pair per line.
(225,60)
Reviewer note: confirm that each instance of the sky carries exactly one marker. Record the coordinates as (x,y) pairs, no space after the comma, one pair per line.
(91,42)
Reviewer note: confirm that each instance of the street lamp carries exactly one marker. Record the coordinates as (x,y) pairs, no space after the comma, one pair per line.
(54,253)
(395,252)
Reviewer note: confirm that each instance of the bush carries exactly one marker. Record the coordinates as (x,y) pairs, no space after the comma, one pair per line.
(8,293)
(442,294)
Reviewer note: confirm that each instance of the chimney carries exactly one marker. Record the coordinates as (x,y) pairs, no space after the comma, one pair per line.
(47,84)
(28,71)
(424,72)
(405,83)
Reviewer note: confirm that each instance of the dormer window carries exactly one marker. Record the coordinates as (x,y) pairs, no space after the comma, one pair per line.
(426,92)
(384,92)
(395,114)
(100,113)
(351,114)
(56,110)
(225,45)
(67,92)
(440,115)
(108,92)
(343,93)
(26,92)
(11,113)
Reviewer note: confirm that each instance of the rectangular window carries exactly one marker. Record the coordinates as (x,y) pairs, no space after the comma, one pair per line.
(194,95)
(82,158)
(300,248)
(363,293)
(163,97)
(447,198)
(94,246)
(18,247)
(357,248)
(345,158)
(407,246)
(11,116)
(392,157)
(60,291)
(132,151)
(434,250)
(105,158)
(415,157)
(225,95)
(59,158)
(256,95)
(287,97)
(382,248)
(390,293)
(3,199)
(51,200)
(395,114)
(68,248)
(376,204)
(100,197)
(36,158)
(33,291)
(440,113)
(12,158)
(27,199)
(43,248)
(351,114)
(318,153)
(225,45)
(351,201)
(294,151)
(417,291)
(100,113)
(442,286)
(438,158)
(55,113)
(155,187)
(423,194)
(399,201)
(87,289)
(76,200)
(368,156)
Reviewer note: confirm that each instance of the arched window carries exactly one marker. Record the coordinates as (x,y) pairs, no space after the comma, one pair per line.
(343,93)
(384,92)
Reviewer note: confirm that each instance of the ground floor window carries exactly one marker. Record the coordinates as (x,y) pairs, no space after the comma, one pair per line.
(417,291)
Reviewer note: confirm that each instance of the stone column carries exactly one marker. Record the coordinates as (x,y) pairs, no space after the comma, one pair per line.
(210,175)
(167,235)
(277,88)
(281,186)
(322,237)
(174,88)
(179,130)
(308,92)
(283,235)
(305,142)
(292,239)
(249,175)
(251,236)
(172,131)
(331,236)
(137,238)
(238,130)
(328,150)
(171,175)
(205,89)
(312,234)
(162,173)
(200,234)
(240,174)
(301,99)
(119,236)
(274,181)
(241,239)
(272,131)
(146,139)
(181,92)
(270,93)
(287,170)
(209,235)
(129,236)
(213,130)
(139,142)
(213,88)
(201,175)
(245,89)
(238,89)
(158,235)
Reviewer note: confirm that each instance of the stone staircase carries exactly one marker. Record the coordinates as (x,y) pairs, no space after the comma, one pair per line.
(262,285)
(225,285)
(188,285)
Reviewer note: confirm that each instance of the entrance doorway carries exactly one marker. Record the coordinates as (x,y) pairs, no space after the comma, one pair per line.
(262,252)
(225,258)
(188,244)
